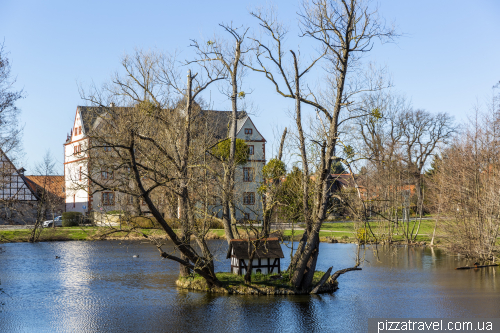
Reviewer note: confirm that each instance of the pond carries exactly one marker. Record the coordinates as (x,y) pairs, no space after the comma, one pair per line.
(100,287)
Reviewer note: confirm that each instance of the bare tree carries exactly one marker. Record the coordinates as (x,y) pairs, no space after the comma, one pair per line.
(47,186)
(230,58)
(152,147)
(466,184)
(344,30)
(10,131)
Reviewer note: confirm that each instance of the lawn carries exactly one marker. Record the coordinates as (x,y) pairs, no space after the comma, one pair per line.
(344,231)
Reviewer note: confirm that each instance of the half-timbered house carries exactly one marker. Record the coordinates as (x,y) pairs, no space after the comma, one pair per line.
(17,200)
(267,258)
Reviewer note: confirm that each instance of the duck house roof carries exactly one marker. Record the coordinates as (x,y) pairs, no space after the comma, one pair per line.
(267,248)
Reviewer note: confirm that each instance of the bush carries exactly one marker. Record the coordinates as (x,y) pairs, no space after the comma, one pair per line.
(223,148)
(144,222)
(363,236)
(215,224)
(71,219)
(112,212)
(149,222)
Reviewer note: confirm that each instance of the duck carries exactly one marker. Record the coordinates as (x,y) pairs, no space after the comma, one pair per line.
(476,264)
(135,256)
(57,257)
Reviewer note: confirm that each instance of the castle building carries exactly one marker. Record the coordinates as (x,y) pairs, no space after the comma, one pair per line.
(76,165)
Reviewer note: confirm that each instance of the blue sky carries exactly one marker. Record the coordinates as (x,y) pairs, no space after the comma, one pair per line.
(447,61)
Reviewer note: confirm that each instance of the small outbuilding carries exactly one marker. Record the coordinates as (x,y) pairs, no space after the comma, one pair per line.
(266,259)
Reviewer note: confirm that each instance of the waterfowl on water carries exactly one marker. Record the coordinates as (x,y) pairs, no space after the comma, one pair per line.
(476,264)
(57,257)
(136,256)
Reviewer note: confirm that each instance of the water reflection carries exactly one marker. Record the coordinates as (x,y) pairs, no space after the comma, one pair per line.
(99,286)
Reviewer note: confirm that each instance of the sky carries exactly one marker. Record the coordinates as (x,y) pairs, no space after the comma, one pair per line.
(446,61)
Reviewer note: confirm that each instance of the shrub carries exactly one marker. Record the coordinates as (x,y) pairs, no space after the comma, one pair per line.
(149,222)
(144,222)
(71,219)
(216,224)
(223,148)
(115,212)
(363,236)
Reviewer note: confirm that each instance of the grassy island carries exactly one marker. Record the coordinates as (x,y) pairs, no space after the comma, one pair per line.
(261,284)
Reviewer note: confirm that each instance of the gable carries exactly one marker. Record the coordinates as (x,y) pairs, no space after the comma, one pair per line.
(246,125)
(13,185)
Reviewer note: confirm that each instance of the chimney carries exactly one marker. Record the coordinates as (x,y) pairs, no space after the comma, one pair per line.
(21,171)
(111,105)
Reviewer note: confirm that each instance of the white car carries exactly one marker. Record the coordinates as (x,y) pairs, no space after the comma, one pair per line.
(57,222)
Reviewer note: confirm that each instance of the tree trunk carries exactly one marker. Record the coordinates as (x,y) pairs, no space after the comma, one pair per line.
(310,268)
(322,281)
(248,274)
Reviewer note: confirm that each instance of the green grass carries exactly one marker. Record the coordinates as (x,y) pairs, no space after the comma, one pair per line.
(342,230)
(85,233)
(338,231)
(230,280)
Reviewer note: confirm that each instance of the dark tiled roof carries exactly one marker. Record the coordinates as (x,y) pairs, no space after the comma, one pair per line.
(88,115)
(268,248)
(218,120)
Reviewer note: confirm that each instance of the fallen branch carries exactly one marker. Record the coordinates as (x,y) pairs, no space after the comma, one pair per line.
(476,266)
(322,281)
(334,277)
(345,270)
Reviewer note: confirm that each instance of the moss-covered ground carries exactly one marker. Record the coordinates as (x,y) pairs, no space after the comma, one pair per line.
(260,285)
(230,280)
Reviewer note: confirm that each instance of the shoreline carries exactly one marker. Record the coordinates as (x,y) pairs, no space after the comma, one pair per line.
(234,285)
(20,235)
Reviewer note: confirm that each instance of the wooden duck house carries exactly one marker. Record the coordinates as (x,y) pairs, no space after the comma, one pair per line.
(266,259)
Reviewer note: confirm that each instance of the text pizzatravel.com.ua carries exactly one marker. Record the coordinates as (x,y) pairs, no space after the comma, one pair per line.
(433,325)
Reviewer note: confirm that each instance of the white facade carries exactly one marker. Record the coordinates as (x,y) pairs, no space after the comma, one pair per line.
(75,168)
(259,265)
(248,177)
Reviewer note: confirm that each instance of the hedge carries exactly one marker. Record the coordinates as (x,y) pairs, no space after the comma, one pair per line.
(149,222)
(71,219)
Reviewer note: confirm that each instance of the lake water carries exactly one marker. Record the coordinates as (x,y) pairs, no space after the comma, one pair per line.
(100,287)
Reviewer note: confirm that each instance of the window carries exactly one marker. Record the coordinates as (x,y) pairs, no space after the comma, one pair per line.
(247,216)
(80,130)
(250,150)
(248,198)
(80,173)
(248,174)
(130,199)
(76,130)
(106,174)
(107,147)
(77,149)
(74,200)
(248,131)
(108,198)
